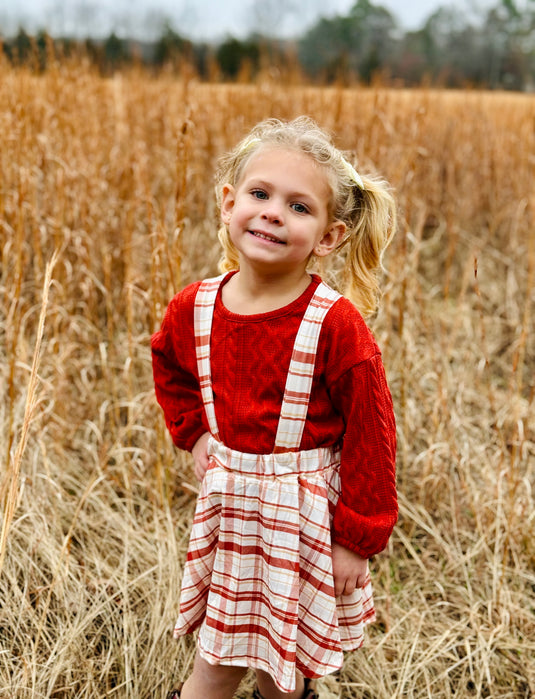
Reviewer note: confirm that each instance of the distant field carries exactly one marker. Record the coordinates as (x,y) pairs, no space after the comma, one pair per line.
(107,209)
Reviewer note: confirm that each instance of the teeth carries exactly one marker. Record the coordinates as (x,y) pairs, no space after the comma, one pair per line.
(266,237)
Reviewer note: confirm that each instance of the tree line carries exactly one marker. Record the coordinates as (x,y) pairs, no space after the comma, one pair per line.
(495,49)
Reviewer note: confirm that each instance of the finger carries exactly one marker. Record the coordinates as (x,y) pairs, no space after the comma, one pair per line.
(339,586)
(349,587)
(361,581)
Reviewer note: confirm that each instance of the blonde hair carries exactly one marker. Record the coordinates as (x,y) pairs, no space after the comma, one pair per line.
(364,203)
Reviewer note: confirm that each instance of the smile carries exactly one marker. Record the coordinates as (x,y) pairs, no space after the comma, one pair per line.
(266,236)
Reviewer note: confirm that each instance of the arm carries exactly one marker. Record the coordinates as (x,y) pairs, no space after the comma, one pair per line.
(175,375)
(367,509)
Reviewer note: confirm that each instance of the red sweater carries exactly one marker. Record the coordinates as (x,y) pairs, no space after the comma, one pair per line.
(350,404)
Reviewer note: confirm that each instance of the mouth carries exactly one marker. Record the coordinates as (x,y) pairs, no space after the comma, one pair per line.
(266,236)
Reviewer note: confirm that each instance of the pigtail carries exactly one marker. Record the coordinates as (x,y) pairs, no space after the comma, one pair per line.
(371,223)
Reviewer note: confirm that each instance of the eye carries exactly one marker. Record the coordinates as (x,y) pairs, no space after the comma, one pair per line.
(259,194)
(300,208)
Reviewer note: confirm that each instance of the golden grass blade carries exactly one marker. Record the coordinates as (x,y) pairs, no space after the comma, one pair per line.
(11,498)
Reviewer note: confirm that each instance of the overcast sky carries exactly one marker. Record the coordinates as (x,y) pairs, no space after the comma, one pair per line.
(198,19)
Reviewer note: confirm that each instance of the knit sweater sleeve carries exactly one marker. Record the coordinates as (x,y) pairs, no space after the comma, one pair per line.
(367,509)
(175,372)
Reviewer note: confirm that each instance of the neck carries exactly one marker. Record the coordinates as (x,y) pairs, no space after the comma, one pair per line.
(249,292)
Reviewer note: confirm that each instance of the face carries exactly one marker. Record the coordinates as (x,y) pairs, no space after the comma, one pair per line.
(278,213)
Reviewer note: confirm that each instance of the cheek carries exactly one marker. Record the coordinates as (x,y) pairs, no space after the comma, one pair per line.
(236,226)
(240,215)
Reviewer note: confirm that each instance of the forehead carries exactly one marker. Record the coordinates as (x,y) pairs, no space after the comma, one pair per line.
(281,165)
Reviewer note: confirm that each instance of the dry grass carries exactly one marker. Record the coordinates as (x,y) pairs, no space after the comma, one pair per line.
(112,180)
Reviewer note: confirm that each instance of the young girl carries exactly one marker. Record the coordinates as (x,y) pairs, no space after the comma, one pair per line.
(275,384)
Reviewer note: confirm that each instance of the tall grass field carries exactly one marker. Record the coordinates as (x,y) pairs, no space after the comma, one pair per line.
(106,210)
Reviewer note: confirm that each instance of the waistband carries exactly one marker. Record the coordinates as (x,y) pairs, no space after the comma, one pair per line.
(282,464)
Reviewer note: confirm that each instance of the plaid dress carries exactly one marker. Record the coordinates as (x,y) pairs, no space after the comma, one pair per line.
(258,577)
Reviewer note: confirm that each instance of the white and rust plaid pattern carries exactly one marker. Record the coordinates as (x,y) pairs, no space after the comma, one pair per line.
(258,578)
(203,314)
(301,372)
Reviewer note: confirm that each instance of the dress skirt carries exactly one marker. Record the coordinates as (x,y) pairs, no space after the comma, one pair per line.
(258,579)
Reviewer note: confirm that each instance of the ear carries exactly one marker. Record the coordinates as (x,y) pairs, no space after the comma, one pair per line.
(331,239)
(228,197)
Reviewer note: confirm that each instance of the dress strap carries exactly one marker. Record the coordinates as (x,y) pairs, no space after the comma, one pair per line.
(203,314)
(300,374)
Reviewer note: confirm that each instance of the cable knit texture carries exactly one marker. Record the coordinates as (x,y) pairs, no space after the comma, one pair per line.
(350,403)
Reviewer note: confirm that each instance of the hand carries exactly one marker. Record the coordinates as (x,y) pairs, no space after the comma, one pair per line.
(200,456)
(349,570)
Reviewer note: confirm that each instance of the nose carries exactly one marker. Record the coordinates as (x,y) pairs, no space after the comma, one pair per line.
(272,212)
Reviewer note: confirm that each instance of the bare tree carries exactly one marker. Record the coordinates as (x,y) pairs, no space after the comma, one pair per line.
(282,17)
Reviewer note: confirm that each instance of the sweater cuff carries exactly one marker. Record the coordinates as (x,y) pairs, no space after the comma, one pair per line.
(366,536)
(190,442)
